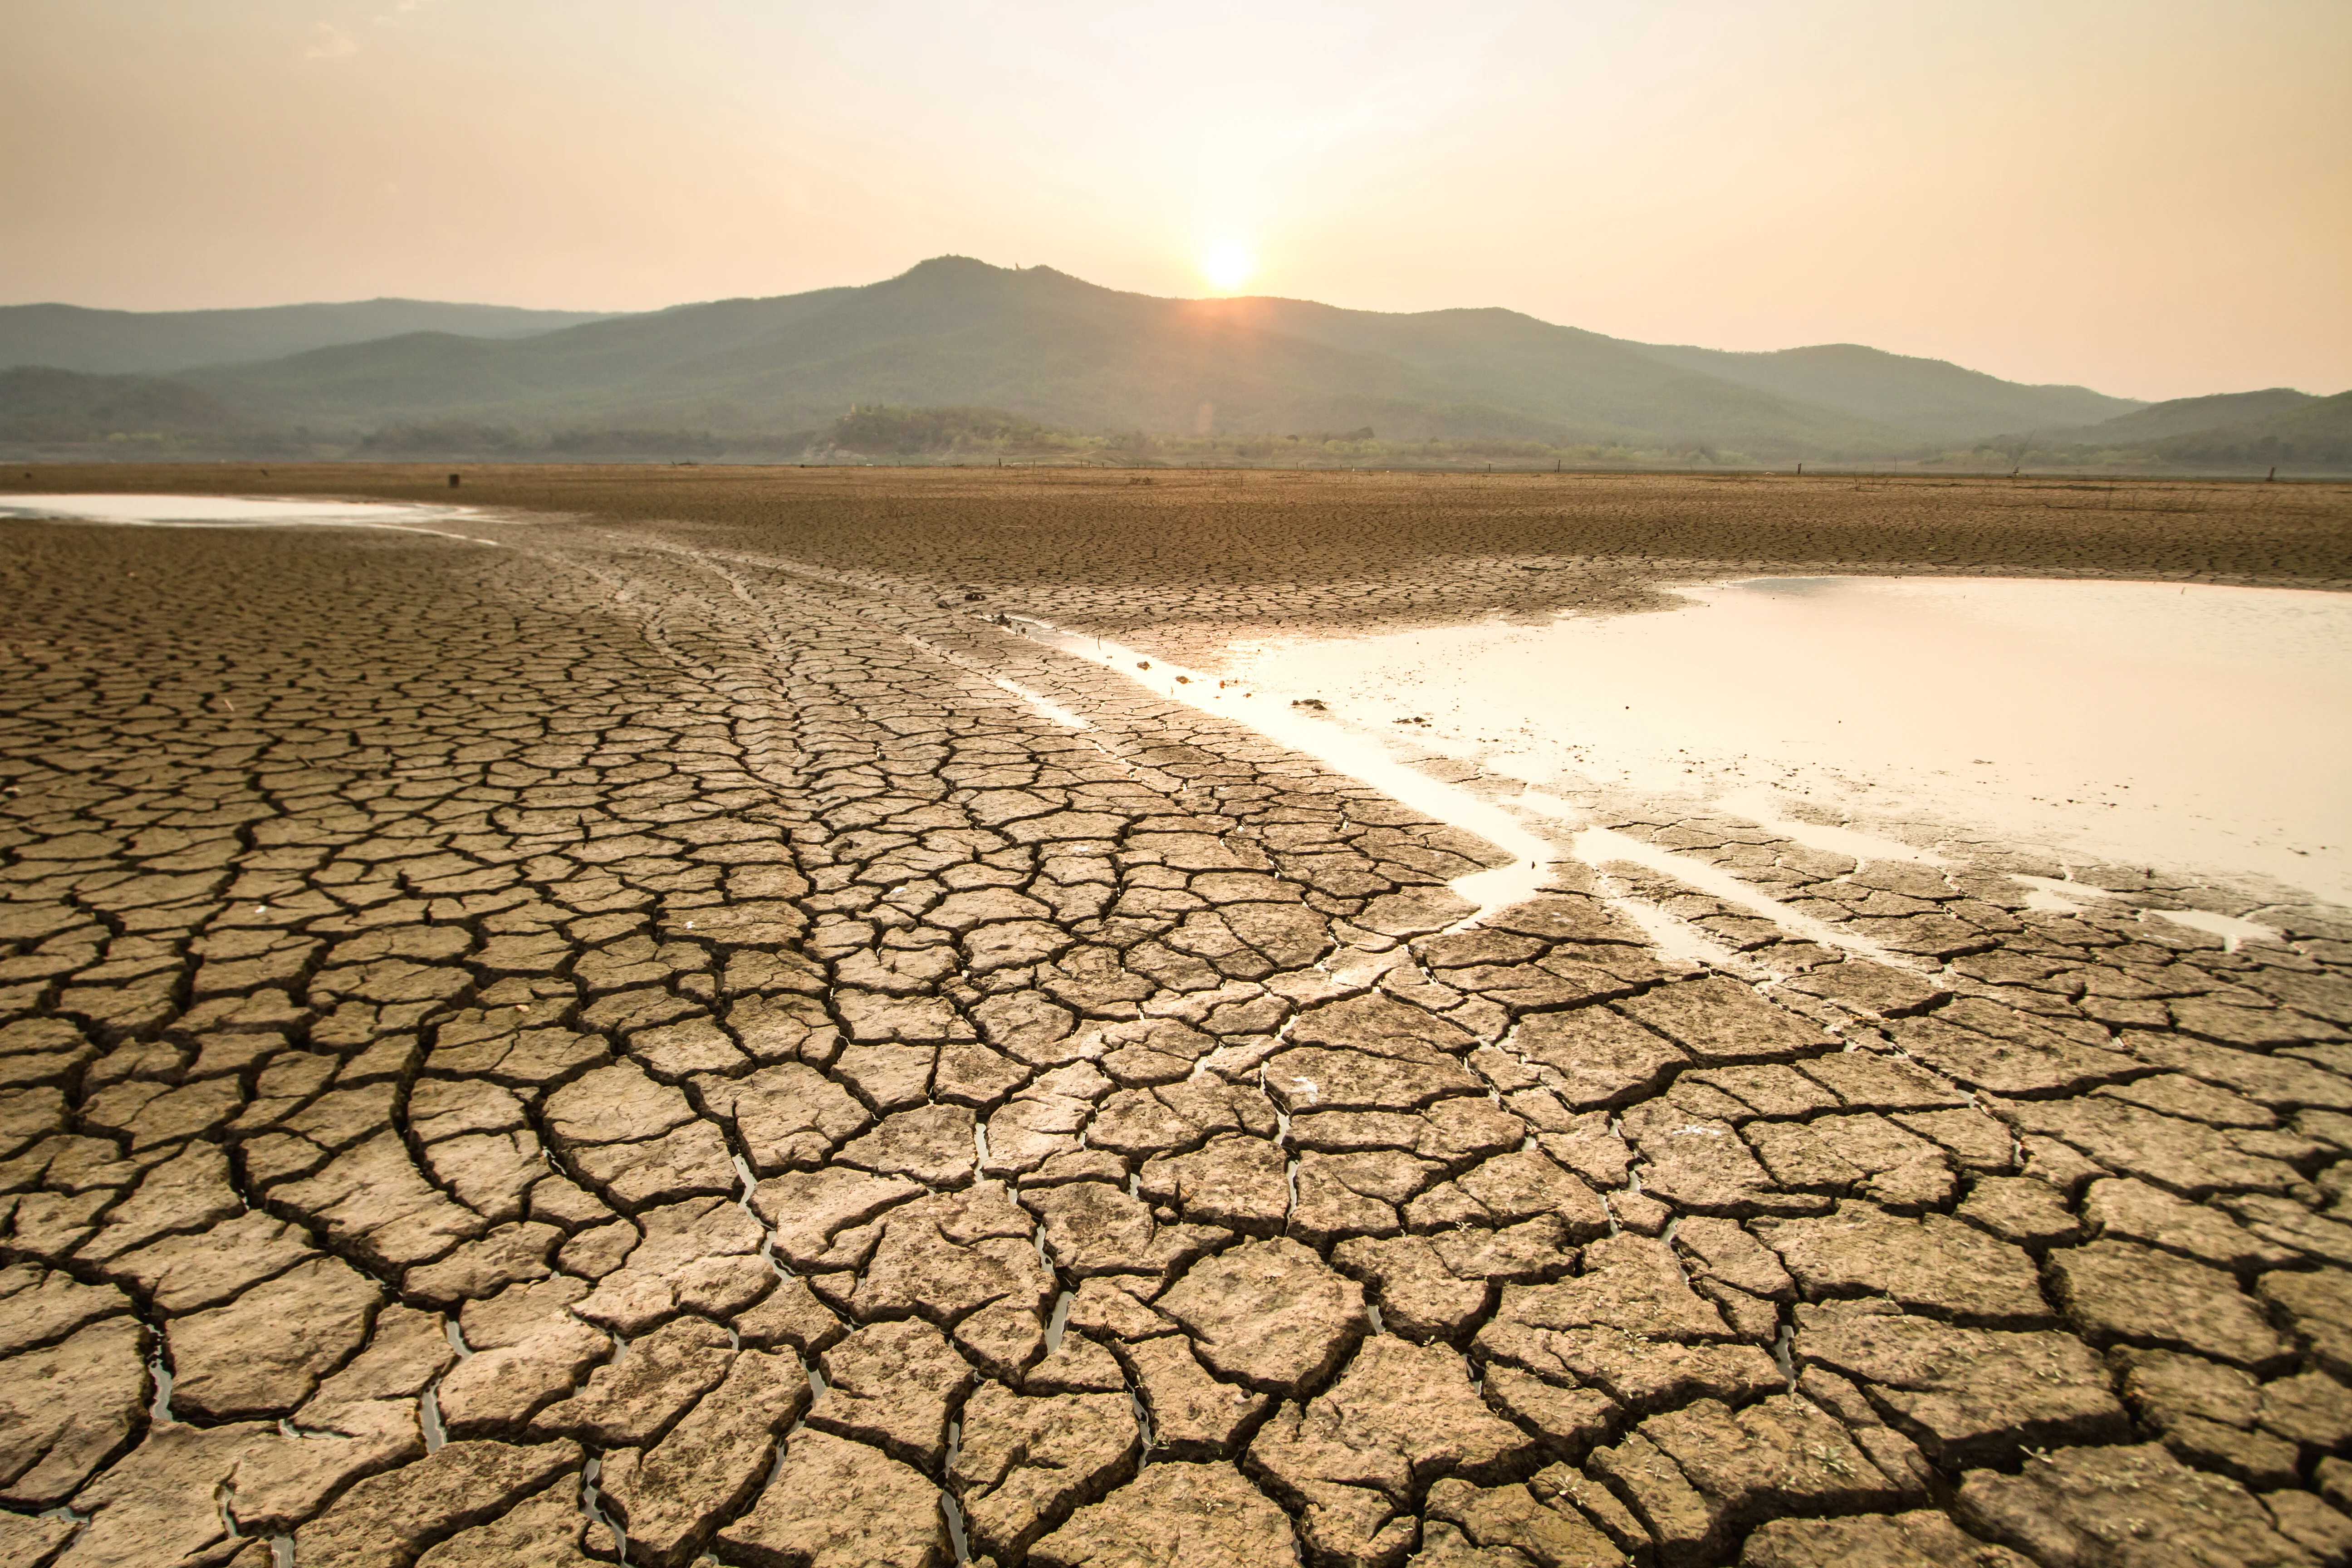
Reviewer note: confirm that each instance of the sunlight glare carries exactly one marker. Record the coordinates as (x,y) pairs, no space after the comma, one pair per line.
(1228,265)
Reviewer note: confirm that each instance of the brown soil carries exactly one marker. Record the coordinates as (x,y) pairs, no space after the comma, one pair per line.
(492,1007)
(1120,550)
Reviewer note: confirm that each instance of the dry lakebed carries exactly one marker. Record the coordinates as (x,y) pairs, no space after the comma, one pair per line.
(876,1018)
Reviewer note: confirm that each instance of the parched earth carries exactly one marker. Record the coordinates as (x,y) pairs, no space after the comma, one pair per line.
(674,1034)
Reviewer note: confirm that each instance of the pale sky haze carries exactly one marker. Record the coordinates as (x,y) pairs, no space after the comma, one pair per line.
(2152,198)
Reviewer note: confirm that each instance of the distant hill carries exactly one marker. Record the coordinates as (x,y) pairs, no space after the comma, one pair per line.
(1552,381)
(40,404)
(2245,431)
(2186,416)
(1932,397)
(69,337)
(978,357)
(1046,346)
(2315,432)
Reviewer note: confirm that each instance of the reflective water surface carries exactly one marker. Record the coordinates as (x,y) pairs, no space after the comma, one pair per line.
(242,511)
(2192,728)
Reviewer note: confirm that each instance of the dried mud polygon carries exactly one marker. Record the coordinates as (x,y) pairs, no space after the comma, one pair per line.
(635,1030)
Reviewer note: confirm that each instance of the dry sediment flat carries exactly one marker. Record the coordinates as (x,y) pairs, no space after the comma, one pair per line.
(1215,554)
(481,1025)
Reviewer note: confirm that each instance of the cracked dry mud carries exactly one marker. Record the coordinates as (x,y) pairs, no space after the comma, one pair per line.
(623,1034)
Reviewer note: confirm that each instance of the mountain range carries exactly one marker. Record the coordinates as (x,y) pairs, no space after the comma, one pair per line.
(1031,342)
(69,337)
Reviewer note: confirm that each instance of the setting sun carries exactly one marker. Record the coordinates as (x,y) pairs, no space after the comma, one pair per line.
(1228,265)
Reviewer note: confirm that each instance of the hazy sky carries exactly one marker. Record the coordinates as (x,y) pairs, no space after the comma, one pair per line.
(2151,196)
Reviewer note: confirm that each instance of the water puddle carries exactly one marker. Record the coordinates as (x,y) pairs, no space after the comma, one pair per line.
(2194,728)
(1603,846)
(2234,933)
(246,511)
(1361,756)
(1671,936)
(2051,895)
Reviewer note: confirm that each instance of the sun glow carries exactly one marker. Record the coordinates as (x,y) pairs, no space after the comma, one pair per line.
(1228,265)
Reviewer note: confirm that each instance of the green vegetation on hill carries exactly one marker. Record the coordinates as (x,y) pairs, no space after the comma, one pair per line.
(2242,431)
(2316,432)
(969,434)
(2187,416)
(69,337)
(905,432)
(38,404)
(453,437)
(1932,397)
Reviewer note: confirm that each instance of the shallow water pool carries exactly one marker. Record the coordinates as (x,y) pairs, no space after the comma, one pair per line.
(242,511)
(2188,728)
